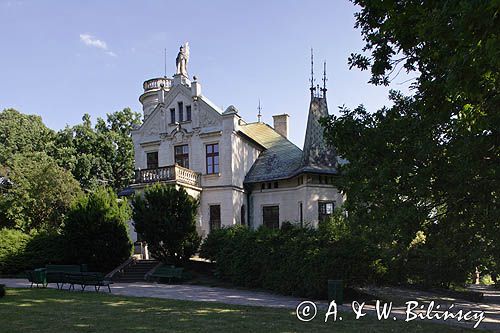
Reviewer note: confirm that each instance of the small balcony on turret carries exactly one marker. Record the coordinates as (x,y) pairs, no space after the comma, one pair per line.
(168,174)
(157,83)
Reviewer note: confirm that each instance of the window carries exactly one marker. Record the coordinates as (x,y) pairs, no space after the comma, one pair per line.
(152,160)
(301,214)
(212,156)
(181,155)
(243,215)
(271,216)
(325,210)
(275,184)
(181,111)
(172,116)
(214,217)
(300,180)
(188,112)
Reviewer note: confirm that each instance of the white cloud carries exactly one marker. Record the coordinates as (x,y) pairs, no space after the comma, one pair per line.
(91,41)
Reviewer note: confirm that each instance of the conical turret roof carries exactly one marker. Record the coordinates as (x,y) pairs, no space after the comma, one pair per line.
(317,156)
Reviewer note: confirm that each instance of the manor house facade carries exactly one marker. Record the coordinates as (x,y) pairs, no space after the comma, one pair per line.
(242,172)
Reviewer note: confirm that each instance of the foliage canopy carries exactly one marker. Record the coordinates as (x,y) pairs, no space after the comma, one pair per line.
(422,179)
(165,217)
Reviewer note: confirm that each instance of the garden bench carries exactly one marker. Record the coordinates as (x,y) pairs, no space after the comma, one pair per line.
(37,276)
(57,273)
(169,272)
(85,279)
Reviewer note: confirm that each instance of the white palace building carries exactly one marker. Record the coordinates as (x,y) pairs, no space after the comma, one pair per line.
(243,172)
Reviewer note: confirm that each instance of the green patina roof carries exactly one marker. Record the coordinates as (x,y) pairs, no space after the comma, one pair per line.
(280,159)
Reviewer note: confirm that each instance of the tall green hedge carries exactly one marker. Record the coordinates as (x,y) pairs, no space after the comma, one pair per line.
(20,251)
(12,246)
(293,260)
(96,231)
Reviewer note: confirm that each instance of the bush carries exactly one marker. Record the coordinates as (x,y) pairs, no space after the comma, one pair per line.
(44,248)
(12,246)
(165,218)
(96,231)
(19,251)
(294,260)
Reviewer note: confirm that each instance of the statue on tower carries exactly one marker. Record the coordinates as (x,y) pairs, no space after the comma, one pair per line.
(182,60)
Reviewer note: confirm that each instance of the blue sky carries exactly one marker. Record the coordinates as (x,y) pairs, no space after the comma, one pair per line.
(61,59)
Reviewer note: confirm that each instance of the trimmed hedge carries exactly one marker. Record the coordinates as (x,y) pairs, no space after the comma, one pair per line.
(20,251)
(12,246)
(293,260)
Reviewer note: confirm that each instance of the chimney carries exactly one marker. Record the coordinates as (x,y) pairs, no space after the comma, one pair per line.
(195,87)
(281,124)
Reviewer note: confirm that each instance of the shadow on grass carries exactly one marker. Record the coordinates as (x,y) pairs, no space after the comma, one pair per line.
(44,310)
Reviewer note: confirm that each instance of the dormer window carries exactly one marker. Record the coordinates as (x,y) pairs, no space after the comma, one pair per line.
(188,112)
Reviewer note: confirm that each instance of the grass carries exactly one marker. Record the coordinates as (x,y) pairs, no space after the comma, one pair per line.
(46,310)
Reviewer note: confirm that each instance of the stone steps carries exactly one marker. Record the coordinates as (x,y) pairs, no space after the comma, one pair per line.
(135,271)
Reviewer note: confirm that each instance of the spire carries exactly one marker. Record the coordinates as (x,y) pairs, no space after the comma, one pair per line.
(312,88)
(317,155)
(259,115)
(323,90)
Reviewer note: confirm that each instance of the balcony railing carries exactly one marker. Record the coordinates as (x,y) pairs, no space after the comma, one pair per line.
(168,173)
(157,83)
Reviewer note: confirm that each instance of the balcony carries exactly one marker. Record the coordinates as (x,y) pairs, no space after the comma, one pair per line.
(171,173)
(154,84)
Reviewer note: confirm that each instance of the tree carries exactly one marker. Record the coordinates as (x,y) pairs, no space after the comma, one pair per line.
(20,133)
(165,218)
(40,195)
(96,231)
(103,154)
(429,164)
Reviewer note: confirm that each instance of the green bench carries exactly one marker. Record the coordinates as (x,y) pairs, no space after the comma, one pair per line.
(169,272)
(85,279)
(57,273)
(37,276)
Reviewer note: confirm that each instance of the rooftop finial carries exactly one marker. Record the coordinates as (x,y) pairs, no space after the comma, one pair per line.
(324,80)
(165,62)
(312,73)
(259,115)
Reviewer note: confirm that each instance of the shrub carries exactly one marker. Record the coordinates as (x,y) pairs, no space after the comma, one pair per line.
(96,231)
(44,248)
(19,251)
(165,218)
(294,260)
(12,246)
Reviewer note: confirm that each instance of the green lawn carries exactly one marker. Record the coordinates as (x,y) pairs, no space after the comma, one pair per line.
(46,310)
